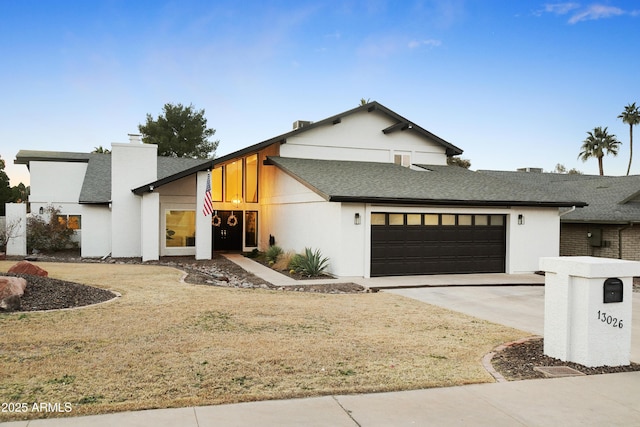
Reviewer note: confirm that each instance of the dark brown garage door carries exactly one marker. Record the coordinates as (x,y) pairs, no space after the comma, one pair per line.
(411,244)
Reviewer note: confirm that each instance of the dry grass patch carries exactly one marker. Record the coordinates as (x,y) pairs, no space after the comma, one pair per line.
(168,344)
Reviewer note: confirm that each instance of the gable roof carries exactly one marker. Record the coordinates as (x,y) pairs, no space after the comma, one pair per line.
(367,182)
(402,124)
(611,199)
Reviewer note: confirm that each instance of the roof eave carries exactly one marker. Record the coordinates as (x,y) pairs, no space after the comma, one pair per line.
(148,188)
(414,201)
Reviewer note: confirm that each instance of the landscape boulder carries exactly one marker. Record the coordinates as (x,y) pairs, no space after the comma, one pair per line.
(25,267)
(11,289)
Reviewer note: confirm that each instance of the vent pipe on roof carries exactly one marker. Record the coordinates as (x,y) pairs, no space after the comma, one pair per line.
(300,123)
(135,138)
(535,170)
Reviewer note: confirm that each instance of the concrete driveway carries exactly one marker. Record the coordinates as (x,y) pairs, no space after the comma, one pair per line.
(521,307)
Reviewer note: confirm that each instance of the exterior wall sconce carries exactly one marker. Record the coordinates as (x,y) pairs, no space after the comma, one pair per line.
(41,210)
(356,219)
(520,219)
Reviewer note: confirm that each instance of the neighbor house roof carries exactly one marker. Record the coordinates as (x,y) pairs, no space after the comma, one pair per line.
(402,124)
(611,199)
(367,182)
(96,186)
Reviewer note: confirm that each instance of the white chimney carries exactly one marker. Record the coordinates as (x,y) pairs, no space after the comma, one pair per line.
(135,138)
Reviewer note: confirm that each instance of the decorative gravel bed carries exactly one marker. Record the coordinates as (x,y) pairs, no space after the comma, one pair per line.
(516,362)
(45,293)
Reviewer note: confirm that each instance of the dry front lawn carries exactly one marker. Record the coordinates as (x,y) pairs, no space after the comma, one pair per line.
(165,343)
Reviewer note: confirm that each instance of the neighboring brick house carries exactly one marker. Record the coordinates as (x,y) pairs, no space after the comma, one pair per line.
(608,227)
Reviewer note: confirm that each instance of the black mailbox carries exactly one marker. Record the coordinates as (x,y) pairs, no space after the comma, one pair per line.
(612,290)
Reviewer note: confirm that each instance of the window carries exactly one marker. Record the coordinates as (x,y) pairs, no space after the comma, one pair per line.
(402,159)
(378,219)
(481,220)
(431,219)
(396,219)
(216,185)
(251,228)
(497,220)
(233,182)
(414,219)
(251,179)
(73,222)
(464,219)
(180,228)
(448,219)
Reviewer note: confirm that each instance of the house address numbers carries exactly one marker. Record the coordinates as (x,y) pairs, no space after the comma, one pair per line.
(614,322)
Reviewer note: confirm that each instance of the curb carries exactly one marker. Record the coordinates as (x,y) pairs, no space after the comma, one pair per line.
(486,360)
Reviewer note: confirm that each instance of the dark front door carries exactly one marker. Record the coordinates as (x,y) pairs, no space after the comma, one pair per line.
(227,230)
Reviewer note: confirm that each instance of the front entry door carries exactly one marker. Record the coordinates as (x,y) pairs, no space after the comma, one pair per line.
(227,230)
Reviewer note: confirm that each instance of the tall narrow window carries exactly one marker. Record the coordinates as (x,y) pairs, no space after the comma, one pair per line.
(251,228)
(216,184)
(251,179)
(233,182)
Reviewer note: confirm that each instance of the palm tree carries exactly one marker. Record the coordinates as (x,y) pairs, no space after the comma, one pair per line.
(630,116)
(597,143)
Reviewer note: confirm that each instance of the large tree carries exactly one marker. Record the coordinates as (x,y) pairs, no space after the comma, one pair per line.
(630,116)
(597,144)
(180,132)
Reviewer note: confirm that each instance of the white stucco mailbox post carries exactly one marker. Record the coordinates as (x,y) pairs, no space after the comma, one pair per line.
(587,309)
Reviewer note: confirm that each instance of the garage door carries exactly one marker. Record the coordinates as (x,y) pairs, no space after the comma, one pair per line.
(411,244)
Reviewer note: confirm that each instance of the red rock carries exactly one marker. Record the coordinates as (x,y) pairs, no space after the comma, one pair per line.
(10,286)
(25,267)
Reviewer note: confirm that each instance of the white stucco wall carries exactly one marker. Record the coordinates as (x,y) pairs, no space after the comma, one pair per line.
(16,219)
(132,165)
(58,182)
(538,236)
(203,222)
(96,231)
(359,137)
(150,230)
(298,218)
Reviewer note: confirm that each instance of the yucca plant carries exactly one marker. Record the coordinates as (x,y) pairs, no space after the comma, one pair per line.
(272,254)
(310,264)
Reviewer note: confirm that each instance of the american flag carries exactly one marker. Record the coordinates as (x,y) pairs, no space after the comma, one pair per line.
(207,209)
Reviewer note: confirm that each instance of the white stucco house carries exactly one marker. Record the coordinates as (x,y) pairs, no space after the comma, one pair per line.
(369,188)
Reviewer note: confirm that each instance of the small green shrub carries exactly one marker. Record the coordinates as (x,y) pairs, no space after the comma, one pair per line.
(253,254)
(310,264)
(47,233)
(272,254)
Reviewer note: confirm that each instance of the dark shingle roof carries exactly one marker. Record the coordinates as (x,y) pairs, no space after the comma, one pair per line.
(96,187)
(389,183)
(611,199)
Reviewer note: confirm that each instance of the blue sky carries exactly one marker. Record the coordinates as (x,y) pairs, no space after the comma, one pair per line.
(512,83)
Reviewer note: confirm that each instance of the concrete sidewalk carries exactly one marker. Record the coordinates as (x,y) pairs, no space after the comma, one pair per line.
(598,400)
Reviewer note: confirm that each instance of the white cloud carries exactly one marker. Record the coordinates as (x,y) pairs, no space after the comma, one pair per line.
(581,13)
(596,12)
(413,44)
(560,8)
